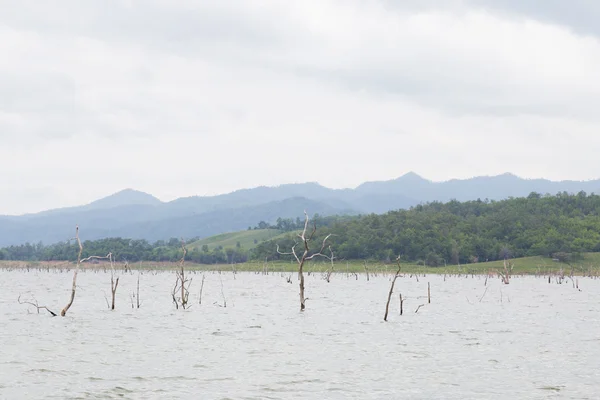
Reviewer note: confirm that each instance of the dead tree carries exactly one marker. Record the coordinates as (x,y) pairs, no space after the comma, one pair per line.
(505,275)
(182,284)
(136,296)
(305,255)
(113,283)
(387,305)
(79,262)
(330,271)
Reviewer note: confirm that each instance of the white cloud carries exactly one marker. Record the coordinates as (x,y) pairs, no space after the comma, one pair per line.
(176,98)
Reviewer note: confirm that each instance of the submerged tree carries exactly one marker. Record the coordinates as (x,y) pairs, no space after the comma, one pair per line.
(113,283)
(182,285)
(79,262)
(306,256)
(505,275)
(387,305)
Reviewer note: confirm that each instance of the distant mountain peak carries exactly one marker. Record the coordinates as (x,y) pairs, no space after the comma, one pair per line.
(138,215)
(413,176)
(125,197)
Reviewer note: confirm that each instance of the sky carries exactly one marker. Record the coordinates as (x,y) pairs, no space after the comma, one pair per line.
(179,98)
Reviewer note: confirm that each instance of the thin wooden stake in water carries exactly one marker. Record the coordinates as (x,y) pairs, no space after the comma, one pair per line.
(137,298)
(428,293)
(201,288)
(401,304)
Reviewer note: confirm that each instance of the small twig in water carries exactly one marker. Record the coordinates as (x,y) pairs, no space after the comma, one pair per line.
(486,289)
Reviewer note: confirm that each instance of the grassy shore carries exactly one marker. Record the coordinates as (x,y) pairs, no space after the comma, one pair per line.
(590,265)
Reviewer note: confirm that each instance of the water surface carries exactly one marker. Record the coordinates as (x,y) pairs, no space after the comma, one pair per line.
(529,339)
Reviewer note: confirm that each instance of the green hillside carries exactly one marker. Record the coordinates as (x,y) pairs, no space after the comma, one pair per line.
(248,239)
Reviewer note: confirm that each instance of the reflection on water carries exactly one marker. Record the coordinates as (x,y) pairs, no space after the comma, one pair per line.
(529,339)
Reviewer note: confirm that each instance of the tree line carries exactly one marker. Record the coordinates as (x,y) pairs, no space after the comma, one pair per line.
(125,250)
(561,226)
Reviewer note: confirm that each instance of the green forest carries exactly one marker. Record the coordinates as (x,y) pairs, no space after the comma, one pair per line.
(561,226)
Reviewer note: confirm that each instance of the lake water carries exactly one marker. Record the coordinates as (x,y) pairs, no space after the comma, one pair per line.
(529,339)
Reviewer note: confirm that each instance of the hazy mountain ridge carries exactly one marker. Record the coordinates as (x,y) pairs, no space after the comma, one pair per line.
(134,214)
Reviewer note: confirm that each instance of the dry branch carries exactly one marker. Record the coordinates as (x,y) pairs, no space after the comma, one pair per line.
(484,292)
(35,304)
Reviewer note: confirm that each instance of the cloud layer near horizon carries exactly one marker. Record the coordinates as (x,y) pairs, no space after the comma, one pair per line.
(179,98)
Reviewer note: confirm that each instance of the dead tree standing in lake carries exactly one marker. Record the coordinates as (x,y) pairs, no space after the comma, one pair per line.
(505,276)
(387,305)
(113,283)
(79,262)
(305,255)
(181,284)
(74,285)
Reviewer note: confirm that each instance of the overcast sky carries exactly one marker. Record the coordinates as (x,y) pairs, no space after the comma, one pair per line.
(179,98)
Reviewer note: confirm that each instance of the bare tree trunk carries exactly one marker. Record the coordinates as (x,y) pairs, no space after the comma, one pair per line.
(387,305)
(301,284)
(79,262)
(180,283)
(64,310)
(183,299)
(366,270)
(113,284)
(114,290)
(328,277)
(507,272)
(305,256)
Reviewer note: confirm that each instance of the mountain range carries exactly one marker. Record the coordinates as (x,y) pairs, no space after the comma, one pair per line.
(139,215)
